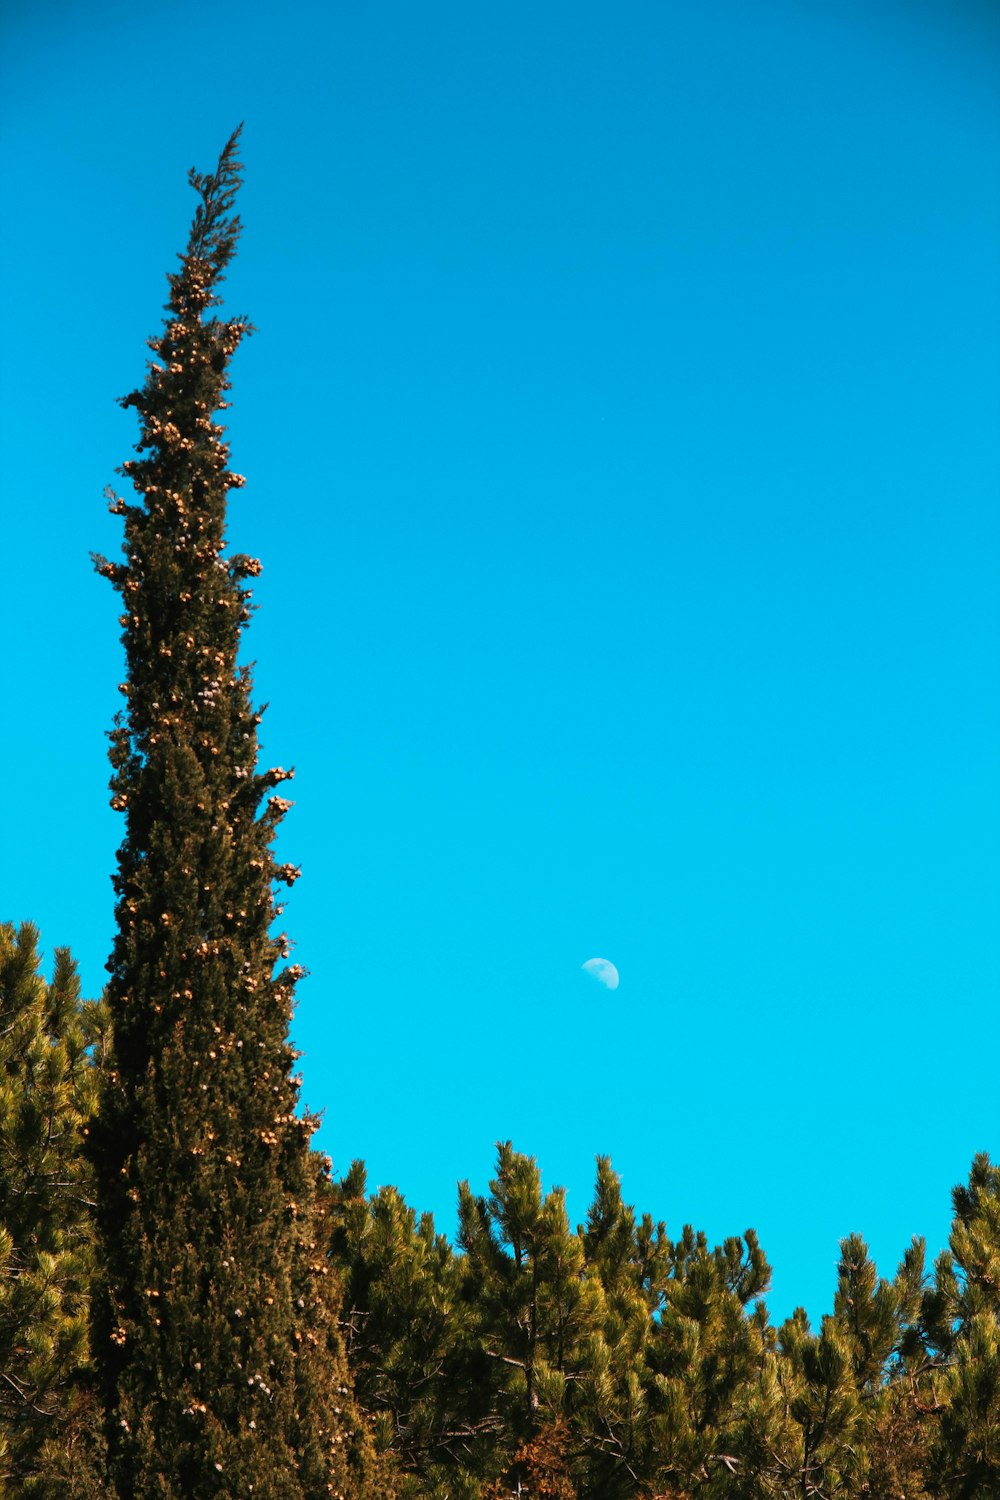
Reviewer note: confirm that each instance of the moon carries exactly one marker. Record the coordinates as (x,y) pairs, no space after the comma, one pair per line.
(603,970)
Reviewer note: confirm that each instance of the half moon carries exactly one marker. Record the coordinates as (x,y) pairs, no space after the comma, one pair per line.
(603,970)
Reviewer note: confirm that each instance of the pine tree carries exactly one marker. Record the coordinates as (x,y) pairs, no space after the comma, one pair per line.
(502,1238)
(51,1044)
(961,1318)
(890,1373)
(539,1318)
(817,1377)
(709,1354)
(219,1375)
(631,1261)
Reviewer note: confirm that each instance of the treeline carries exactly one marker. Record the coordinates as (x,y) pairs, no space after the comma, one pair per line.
(603,1362)
(612,1361)
(193,1308)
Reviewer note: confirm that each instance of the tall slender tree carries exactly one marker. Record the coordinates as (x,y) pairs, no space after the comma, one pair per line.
(221,1364)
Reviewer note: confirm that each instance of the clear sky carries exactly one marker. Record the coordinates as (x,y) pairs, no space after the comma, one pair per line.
(622,435)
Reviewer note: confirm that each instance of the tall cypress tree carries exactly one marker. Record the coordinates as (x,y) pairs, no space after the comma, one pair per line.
(221,1365)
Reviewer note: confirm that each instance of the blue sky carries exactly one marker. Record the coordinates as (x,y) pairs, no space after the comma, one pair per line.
(622,433)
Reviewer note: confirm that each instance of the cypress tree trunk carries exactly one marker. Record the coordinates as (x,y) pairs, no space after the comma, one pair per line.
(221,1364)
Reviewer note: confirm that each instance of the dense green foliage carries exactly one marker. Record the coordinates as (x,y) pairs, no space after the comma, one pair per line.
(221,1366)
(611,1361)
(50,1042)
